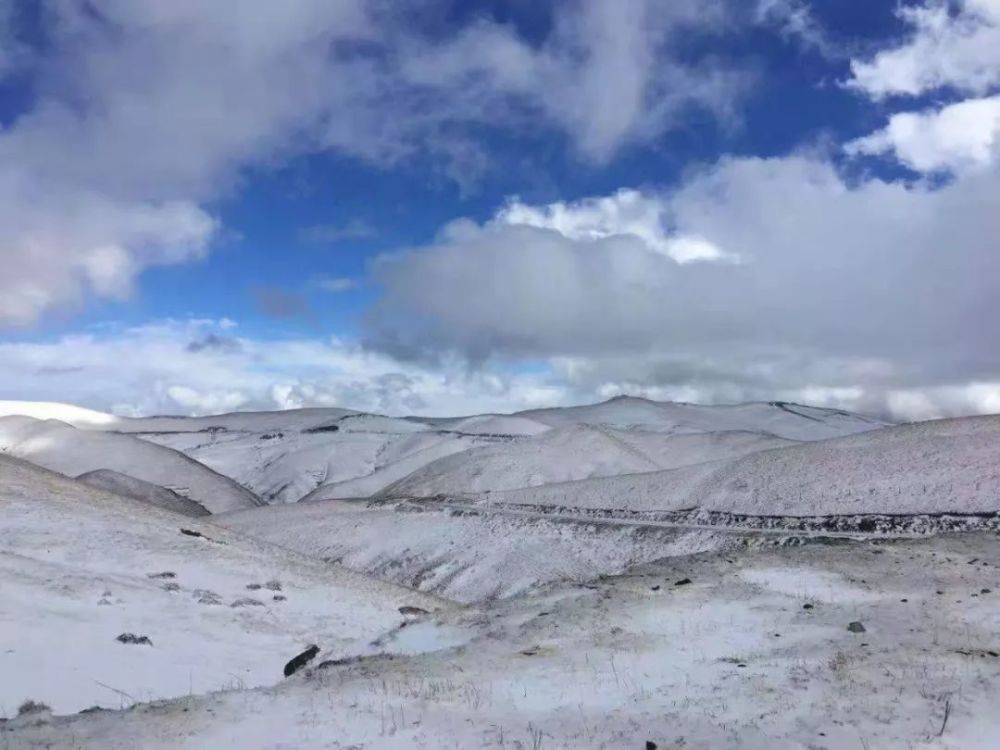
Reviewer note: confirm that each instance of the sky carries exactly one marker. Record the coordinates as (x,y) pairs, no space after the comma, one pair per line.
(458,206)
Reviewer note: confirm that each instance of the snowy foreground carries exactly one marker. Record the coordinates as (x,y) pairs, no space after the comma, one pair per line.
(733,659)
(627,574)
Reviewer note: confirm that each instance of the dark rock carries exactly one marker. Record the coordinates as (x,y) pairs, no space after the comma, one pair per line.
(246,601)
(301,660)
(253,586)
(164,574)
(32,707)
(279,597)
(188,532)
(807,605)
(412,611)
(683,582)
(132,638)
(856,627)
(650,745)
(654,588)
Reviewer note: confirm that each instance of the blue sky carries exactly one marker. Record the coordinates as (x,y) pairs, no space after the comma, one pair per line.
(456,206)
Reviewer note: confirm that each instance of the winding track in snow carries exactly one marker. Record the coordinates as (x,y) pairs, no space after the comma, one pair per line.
(492,509)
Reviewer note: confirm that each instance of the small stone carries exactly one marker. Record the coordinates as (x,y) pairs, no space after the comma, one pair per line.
(683,582)
(132,638)
(247,602)
(301,660)
(984,591)
(807,606)
(279,597)
(856,627)
(409,611)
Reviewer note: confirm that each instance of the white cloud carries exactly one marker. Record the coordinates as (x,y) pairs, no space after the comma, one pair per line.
(957,137)
(154,369)
(794,20)
(959,49)
(842,284)
(145,112)
(191,367)
(626,213)
(59,244)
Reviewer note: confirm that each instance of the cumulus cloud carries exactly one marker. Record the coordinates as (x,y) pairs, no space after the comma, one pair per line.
(960,136)
(841,284)
(626,213)
(945,48)
(145,112)
(61,244)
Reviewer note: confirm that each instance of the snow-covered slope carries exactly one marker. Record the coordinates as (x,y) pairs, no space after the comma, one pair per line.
(402,464)
(791,421)
(468,558)
(509,425)
(730,661)
(161,497)
(248,421)
(337,453)
(280,465)
(940,466)
(74,415)
(81,566)
(71,451)
(573,452)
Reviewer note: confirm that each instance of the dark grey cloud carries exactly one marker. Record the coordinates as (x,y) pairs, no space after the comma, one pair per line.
(838,285)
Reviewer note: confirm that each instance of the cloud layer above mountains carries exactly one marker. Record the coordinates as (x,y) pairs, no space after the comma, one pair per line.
(862,274)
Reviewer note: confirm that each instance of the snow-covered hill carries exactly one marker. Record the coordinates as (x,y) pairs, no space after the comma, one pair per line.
(785,420)
(74,415)
(161,497)
(573,452)
(929,467)
(468,558)
(338,453)
(81,566)
(72,451)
